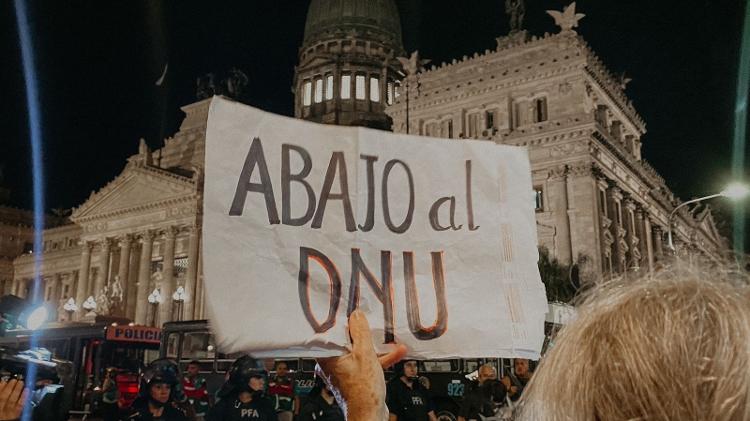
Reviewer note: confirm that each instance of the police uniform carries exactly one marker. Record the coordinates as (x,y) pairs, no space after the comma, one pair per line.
(318,409)
(232,409)
(408,403)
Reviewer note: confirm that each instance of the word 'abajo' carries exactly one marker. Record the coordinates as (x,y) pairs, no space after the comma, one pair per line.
(337,170)
(383,290)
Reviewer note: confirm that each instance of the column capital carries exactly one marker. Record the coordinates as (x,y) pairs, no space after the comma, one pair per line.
(171,231)
(580,169)
(125,240)
(86,245)
(106,242)
(616,193)
(147,235)
(558,172)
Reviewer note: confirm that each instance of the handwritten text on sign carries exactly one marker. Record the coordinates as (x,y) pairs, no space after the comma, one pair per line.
(440,232)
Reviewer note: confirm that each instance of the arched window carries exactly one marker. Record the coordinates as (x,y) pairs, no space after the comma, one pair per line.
(374,89)
(329,87)
(346,86)
(359,87)
(307,93)
(318,90)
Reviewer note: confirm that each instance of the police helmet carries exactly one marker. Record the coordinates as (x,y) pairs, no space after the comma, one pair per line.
(162,371)
(240,373)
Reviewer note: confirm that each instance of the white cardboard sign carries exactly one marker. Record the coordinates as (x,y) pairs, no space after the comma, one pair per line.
(435,239)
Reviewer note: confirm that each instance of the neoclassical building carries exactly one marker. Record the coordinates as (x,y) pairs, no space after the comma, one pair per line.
(132,249)
(597,199)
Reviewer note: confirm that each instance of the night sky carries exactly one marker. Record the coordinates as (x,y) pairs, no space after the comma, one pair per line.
(97,63)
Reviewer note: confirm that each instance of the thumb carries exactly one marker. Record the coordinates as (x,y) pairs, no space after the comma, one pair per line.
(396,354)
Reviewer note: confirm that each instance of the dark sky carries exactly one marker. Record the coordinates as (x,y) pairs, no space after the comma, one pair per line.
(97,62)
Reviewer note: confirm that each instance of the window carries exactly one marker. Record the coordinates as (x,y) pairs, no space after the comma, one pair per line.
(538,199)
(389,99)
(374,89)
(318,91)
(359,88)
(603,202)
(346,86)
(172,341)
(540,110)
(446,128)
(329,87)
(197,346)
(489,118)
(307,94)
(473,125)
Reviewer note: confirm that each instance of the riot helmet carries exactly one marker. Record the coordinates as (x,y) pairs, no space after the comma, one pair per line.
(242,370)
(162,371)
(400,369)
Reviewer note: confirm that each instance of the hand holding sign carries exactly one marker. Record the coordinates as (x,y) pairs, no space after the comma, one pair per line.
(358,375)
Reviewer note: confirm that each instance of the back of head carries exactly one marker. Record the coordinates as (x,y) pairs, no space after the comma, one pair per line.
(671,346)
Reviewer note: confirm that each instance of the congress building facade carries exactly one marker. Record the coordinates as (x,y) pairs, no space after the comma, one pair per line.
(132,249)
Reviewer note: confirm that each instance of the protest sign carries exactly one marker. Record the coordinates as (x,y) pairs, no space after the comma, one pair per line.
(434,239)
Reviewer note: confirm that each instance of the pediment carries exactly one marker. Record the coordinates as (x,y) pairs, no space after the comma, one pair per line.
(137,187)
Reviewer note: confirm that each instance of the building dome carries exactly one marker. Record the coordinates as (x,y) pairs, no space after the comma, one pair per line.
(348,70)
(328,18)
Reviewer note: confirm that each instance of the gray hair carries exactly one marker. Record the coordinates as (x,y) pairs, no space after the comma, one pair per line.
(674,345)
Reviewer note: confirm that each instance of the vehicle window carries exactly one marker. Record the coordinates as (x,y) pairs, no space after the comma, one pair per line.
(308,365)
(440,366)
(172,343)
(198,346)
(293,365)
(471,365)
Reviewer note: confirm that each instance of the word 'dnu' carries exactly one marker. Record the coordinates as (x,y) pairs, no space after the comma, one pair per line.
(382,288)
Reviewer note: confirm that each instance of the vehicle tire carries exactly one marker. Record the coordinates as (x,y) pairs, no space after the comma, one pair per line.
(445,415)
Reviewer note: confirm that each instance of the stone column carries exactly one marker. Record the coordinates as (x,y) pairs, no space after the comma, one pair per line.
(658,242)
(558,197)
(191,287)
(144,278)
(634,256)
(618,230)
(101,280)
(649,242)
(83,276)
(167,287)
(122,272)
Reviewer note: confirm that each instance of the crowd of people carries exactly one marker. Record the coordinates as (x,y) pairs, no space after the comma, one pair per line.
(671,346)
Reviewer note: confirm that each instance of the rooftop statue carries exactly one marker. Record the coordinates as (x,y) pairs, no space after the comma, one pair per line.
(517,10)
(412,64)
(567,19)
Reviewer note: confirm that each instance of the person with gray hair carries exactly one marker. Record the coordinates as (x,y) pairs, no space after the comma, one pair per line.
(674,345)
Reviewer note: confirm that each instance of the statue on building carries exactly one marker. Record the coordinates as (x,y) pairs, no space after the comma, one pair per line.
(115,295)
(205,86)
(567,19)
(235,83)
(413,64)
(623,80)
(516,9)
(103,302)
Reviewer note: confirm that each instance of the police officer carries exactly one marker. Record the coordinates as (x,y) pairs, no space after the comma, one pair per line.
(242,396)
(321,405)
(407,400)
(159,394)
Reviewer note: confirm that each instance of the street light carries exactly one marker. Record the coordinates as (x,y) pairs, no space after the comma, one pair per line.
(733,191)
(70,307)
(154,299)
(179,297)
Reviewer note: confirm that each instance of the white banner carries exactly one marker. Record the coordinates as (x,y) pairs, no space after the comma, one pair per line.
(434,239)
